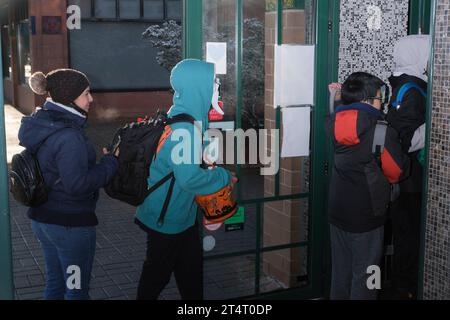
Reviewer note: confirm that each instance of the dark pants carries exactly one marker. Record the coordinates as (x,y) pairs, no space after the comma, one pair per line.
(405,216)
(352,254)
(179,253)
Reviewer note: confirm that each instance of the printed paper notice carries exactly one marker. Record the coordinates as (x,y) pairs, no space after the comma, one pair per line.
(296,132)
(216,52)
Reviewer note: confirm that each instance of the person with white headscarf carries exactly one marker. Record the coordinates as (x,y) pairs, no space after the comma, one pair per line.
(408,115)
(411,55)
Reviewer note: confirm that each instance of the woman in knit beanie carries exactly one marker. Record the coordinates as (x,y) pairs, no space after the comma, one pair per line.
(65,224)
(64,86)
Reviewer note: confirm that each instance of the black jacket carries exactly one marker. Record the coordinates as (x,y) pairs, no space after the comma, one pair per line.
(359,189)
(406,120)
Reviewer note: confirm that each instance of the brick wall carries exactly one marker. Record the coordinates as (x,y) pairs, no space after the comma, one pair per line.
(48,52)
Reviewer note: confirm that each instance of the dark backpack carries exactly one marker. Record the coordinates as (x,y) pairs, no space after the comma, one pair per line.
(397,103)
(26,181)
(138,143)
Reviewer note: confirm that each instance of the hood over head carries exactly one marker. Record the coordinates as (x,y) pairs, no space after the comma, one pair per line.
(411,56)
(193,83)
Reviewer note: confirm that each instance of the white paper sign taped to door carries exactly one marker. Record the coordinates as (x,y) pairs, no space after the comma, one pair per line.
(296,132)
(216,52)
(294,75)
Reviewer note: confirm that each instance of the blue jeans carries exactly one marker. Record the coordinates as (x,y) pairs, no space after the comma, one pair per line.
(351,255)
(69,255)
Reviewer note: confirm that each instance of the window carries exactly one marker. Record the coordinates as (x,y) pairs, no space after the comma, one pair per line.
(85,6)
(110,47)
(174,10)
(154,9)
(130,9)
(105,8)
(115,57)
(6,52)
(149,10)
(23,44)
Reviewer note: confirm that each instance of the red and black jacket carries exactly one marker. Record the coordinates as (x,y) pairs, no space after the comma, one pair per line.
(360,189)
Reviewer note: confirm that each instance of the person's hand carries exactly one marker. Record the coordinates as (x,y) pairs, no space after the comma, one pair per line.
(208,162)
(234,179)
(336,87)
(106,152)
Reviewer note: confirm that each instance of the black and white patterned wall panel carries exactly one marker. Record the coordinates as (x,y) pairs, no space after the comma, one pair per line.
(368,32)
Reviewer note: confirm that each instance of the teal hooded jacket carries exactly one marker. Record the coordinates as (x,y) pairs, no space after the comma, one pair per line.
(193,82)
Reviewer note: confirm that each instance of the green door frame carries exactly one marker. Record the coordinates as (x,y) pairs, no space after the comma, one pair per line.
(6,270)
(422,21)
(192,29)
(419,16)
(333,77)
(429,108)
(327,56)
(327,35)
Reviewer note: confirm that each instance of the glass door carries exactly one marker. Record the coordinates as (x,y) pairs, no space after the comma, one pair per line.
(275,244)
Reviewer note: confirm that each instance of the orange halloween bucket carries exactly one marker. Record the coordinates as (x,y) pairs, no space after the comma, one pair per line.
(219,206)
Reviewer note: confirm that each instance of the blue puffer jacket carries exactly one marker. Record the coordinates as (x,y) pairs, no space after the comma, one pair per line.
(68,163)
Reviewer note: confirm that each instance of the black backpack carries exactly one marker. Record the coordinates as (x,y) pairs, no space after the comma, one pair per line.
(138,143)
(26,181)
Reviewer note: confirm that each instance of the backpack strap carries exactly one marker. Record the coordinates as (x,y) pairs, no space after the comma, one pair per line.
(166,134)
(171,177)
(166,202)
(184,117)
(379,140)
(403,90)
(159,183)
(168,130)
(176,119)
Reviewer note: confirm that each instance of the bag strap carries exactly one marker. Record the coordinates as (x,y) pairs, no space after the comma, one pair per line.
(176,119)
(184,117)
(379,140)
(171,177)
(403,90)
(166,202)
(159,183)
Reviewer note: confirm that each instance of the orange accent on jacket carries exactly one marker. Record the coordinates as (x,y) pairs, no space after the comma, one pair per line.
(166,134)
(391,169)
(345,129)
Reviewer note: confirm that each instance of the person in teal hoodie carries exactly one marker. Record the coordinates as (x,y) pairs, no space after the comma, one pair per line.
(174,246)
